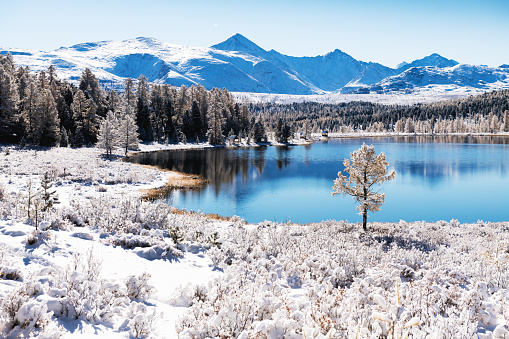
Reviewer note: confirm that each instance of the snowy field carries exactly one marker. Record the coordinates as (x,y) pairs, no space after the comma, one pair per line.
(424,94)
(105,263)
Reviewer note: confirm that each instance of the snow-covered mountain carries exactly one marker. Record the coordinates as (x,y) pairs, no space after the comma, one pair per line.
(461,75)
(240,65)
(433,60)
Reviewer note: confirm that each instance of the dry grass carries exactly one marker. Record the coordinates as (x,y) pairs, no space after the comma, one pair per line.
(180,181)
(213,216)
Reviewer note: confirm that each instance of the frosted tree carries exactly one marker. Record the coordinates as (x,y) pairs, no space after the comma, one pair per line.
(505,123)
(366,170)
(409,126)
(109,137)
(399,127)
(216,120)
(29,112)
(128,131)
(49,196)
(129,95)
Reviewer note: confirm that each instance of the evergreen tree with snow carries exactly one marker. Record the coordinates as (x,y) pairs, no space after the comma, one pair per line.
(216,121)
(48,125)
(30,111)
(143,114)
(197,120)
(49,196)
(9,99)
(89,85)
(85,118)
(366,170)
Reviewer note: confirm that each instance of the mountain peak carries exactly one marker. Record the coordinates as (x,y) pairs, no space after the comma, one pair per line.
(147,40)
(239,43)
(433,60)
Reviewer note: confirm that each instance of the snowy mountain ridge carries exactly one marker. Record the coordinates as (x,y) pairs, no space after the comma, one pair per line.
(240,65)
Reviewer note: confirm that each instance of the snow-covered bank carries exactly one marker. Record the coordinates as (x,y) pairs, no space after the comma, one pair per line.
(89,265)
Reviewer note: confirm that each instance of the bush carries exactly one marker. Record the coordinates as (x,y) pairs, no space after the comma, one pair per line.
(138,287)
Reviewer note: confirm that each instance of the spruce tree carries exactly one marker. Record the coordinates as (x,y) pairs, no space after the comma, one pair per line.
(49,196)
(48,124)
(216,123)
(9,99)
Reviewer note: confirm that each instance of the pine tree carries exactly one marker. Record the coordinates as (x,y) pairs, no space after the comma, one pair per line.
(85,118)
(9,98)
(129,95)
(197,120)
(143,115)
(30,112)
(216,123)
(365,169)
(89,85)
(279,130)
(48,124)
(64,138)
(109,137)
(48,196)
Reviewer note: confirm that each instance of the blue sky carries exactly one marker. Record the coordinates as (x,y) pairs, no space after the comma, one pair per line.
(388,32)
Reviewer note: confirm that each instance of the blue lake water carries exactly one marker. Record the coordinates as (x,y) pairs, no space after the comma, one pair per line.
(437,178)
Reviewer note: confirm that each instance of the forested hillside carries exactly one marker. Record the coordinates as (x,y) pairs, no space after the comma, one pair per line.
(41,109)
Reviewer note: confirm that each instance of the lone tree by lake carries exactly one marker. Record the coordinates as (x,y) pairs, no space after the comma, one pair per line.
(366,170)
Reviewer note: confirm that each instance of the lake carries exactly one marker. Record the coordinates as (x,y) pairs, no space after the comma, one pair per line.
(437,178)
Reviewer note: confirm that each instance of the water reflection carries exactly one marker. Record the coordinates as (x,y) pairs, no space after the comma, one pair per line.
(218,165)
(453,139)
(437,178)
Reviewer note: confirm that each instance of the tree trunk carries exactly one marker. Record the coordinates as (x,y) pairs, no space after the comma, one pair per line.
(365,210)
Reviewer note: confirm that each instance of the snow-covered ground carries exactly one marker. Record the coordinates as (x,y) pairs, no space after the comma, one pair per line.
(104,263)
(424,94)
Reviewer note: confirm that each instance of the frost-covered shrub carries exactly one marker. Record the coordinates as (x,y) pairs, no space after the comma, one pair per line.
(399,280)
(22,316)
(142,320)
(153,246)
(186,295)
(138,287)
(11,273)
(3,193)
(83,294)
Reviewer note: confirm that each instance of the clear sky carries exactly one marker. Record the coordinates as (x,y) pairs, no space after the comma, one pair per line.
(388,32)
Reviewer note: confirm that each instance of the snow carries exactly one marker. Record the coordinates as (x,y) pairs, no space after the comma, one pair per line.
(425,94)
(239,65)
(104,264)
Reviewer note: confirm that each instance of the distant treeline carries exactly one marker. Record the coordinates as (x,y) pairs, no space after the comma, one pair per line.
(38,108)
(481,113)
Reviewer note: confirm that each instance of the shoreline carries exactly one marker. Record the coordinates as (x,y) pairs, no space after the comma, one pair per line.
(185,181)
